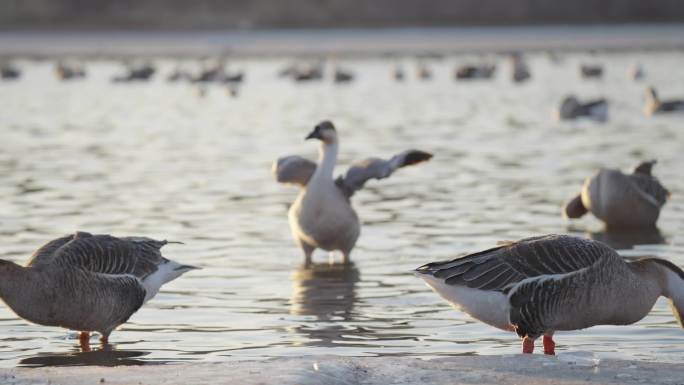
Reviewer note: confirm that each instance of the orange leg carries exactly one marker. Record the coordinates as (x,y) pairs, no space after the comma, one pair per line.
(528,345)
(549,345)
(84,340)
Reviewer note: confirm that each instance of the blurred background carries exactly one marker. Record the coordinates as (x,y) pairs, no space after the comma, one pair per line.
(162,119)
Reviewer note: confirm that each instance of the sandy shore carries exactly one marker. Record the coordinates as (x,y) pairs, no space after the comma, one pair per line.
(514,369)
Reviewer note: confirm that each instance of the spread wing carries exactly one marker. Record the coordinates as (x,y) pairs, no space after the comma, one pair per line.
(137,256)
(501,268)
(360,172)
(293,169)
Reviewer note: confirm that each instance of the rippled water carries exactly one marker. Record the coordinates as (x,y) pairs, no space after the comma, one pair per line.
(155,159)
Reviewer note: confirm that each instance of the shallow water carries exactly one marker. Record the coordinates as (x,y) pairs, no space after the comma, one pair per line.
(155,159)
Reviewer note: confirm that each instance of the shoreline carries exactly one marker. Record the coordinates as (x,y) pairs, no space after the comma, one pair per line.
(509,369)
(340,42)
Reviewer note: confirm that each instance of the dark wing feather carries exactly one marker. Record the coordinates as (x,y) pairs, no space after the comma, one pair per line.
(650,186)
(360,172)
(293,169)
(45,254)
(105,254)
(500,268)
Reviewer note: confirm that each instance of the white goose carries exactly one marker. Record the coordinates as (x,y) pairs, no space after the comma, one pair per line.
(322,215)
(540,285)
(621,200)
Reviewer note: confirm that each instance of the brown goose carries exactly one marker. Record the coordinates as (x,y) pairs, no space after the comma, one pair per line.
(540,285)
(322,216)
(621,200)
(87,282)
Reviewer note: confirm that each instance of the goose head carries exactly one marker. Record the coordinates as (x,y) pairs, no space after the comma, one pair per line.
(651,94)
(568,108)
(325,132)
(673,287)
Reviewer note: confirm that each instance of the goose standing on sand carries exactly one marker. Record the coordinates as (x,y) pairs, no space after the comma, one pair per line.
(621,200)
(541,285)
(87,282)
(322,215)
(656,106)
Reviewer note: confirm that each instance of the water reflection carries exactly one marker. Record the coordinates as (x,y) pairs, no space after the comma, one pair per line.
(106,356)
(627,239)
(327,291)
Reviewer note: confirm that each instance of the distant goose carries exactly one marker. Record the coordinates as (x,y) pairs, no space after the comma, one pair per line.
(398,73)
(343,76)
(572,108)
(87,282)
(8,71)
(142,72)
(65,71)
(621,200)
(591,71)
(484,71)
(424,72)
(656,106)
(322,215)
(521,71)
(635,72)
(541,285)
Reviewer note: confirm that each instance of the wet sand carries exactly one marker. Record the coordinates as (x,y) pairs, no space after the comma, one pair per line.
(508,369)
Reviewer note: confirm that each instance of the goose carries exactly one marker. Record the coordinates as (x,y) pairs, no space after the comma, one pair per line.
(621,200)
(572,108)
(87,282)
(485,71)
(656,106)
(342,75)
(322,215)
(540,285)
(521,71)
(591,71)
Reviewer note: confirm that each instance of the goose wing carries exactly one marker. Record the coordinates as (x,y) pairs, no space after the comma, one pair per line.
(360,172)
(45,253)
(137,256)
(502,268)
(293,169)
(651,187)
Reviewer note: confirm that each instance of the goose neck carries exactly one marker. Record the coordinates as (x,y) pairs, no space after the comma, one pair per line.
(327,158)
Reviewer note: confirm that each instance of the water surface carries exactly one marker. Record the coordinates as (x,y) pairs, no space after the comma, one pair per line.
(155,159)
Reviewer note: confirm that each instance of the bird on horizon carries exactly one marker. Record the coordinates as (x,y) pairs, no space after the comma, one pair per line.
(322,215)
(87,283)
(537,286)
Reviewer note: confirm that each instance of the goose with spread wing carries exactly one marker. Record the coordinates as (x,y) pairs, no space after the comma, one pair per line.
(540,285)
(621,200)
(322,215)
(87,282)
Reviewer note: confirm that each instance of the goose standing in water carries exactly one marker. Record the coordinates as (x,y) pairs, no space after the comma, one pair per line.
(572,108)
(621,200)
(322,215)
(87,282)
(541,285)
(656,106)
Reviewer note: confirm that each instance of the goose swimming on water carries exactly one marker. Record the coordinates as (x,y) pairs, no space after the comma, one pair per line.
(322,215)
(541,285)
(87,282)
(656,106)
(621,200)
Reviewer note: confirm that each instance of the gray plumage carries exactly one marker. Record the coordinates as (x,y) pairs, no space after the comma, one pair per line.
(621,200)
(555,282)
(87,282)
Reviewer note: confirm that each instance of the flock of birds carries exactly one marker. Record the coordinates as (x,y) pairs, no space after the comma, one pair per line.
(534,287)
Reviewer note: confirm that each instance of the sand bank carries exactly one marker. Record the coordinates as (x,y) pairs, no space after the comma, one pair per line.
(514,369)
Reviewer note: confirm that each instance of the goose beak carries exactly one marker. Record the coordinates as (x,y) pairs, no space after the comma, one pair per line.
(315,134)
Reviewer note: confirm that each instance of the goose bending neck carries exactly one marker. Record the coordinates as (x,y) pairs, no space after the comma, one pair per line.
(327,158)
(671,281)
